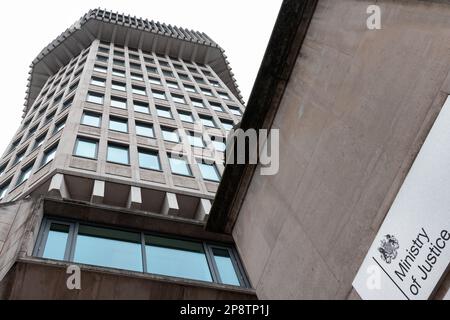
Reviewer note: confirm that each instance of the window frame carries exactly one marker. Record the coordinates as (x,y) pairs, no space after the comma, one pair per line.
(86,139)
(208,249)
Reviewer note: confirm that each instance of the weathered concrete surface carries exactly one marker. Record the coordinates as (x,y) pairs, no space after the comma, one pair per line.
(39,279)
(355,112)
(14,218)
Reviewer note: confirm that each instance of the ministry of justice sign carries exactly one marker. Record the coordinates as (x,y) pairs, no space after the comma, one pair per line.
(411,252)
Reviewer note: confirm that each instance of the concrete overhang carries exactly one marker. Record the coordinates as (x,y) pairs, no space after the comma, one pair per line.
(33,278)
(279,59)
(125,30)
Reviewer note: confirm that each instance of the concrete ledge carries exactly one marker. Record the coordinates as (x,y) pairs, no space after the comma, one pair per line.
(33,278)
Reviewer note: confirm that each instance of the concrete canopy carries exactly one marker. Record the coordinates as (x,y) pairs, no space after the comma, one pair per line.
(129,31)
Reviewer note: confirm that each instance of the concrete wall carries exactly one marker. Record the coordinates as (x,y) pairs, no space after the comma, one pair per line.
(357,108)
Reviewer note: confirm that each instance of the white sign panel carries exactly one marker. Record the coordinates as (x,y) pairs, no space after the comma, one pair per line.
(411,251)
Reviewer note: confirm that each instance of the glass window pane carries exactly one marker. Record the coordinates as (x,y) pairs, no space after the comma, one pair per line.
(179,166)
(141,107)
(195,141)
(209,171)
(163,112)
(186,117)
(86,148)
(149,160)
(117,124)
(49,155)
(90,119)
(94,97)
(120,103)
(145,130)
(206,121)
(219,145)
(118,154)
(170,135)
(225,267)
(177,258)
(55,247)
(108,248)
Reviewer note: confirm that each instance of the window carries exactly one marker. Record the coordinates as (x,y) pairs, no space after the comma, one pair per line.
(133,56)
(91,119)
(103,49)
(149,60)
(49,117)
(164,112)
(172,84)
(2,169)
(119,53)
(139,90)
(235,110)
(228,125)
(32,130)
(154,80)
(102,58)
(15,144)
(216,106)
(19,157)
(214,83)
(170,134)
(209,171)
(183,76)
(163,63)
(149,159)
(39,140)
(152,69)
(206,92)
(119,62)
(120,86)
(159,95)
(59,126)
(4,190)
(98,81)
(86,148)
(49,155)
(195,140)
(186,116)
(218,144)
(179,166)
(199,80)
(118,102)
(118,124)
(223,95)
(118,73)
(137,251)
(178,99)
(190,88)
(25,174)
(118,154)
(99,68)
(207,121)
(197,103)
(141,107)
(144,129)
(177,258)
(136,76)
(95,97)
(167,73)
(68,103)
(135,66)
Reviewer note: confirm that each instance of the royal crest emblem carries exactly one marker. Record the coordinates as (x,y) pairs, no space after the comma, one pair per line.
(388,248)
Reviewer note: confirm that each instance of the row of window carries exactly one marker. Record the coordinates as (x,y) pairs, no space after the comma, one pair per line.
(165,112)
(148,159)
(145,129)
(137,251)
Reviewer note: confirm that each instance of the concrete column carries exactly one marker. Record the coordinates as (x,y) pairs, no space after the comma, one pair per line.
(58,187)
(203,209)
(170,205)
(134,198)
(98,192)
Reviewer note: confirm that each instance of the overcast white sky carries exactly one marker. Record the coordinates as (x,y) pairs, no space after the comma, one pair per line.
(241,27)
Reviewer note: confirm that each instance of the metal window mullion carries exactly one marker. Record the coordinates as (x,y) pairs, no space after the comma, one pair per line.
(144,253)
(212,263)
(42,239)
(238,267)
(72,240)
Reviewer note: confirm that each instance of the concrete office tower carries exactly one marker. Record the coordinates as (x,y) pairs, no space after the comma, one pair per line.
(90,177)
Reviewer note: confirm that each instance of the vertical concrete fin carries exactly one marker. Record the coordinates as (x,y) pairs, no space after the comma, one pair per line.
(170,205)
(203,209)
(58,187)
(98,192)
(134,198)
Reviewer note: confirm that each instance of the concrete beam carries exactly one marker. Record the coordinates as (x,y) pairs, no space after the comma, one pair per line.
(98,192)
(134,198)
(203,209)
(58,187)
(170,205)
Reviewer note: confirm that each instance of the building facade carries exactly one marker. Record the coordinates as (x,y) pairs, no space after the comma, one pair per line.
(116,163)
(362,115)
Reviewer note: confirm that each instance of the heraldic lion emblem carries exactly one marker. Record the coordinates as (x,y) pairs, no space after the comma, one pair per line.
(388,248)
